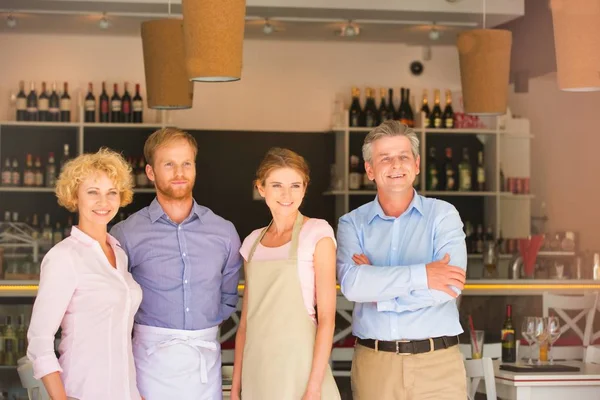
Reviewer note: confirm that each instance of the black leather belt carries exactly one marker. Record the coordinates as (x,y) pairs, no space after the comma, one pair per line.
(407,347)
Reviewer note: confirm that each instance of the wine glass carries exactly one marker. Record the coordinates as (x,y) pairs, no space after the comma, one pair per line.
(540,333)
(553,329)
(528,331)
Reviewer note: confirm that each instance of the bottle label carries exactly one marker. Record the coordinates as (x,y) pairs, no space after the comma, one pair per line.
(16,178)
(126,107)
(39,179)
(355,180)
(104,107)
(28,178)
(6,178)
(90,105)
(450,181)
(138,105)
(433,182)
(480,175)
(54,110)
(508,338)
(426,123)
(449,122)
(370,121)
(65,104)
(354,120)
(32,109)
(21,103)
(116,105)
(43,104)
(465,179)
(437,123)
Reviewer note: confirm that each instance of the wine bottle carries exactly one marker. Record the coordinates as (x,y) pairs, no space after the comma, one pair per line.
(425,109)
(370,109)
(38,173)
(32,103)
(65,104)
(65,157)
(390,107)
(480,172)
(51,171)
(450,171)
(402,111)
(382,113)
(356,113)
(409,111)
(435,118)
(103,110)
(44,104)
(7,173)
(16,174)
(21,103)
(90,105)
(126,109)
(465,172)
(28,173)
(140,176)
(115,105)
(138,106)
(433,181)
(509,349)
(54,105)
(448,116)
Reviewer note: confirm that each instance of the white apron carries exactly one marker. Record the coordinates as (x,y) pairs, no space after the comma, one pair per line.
(177,364)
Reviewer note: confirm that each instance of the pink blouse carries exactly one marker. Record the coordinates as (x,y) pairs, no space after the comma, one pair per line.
(312,231)
(94,304)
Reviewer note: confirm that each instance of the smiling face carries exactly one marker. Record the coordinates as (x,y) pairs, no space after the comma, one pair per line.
(393,165)
(173,170)
(283,191)
(98,200)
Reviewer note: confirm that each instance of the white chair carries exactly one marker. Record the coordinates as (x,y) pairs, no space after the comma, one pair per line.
(342,354)
(490,350)
(592,355)
(227,374)
(586,305)
(227,355)
(595,335)
(476,370)
(35,388)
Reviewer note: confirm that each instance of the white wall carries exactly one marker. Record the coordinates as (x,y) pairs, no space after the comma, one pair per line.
(286,86)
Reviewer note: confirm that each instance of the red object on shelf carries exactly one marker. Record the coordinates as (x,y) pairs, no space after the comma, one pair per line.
(529,249)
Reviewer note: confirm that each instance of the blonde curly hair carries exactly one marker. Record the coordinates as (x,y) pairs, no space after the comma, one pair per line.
(82,167)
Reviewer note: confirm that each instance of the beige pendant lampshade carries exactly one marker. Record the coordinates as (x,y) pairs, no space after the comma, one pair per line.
(167,85)
(213,36)
(484,56)
(577,42)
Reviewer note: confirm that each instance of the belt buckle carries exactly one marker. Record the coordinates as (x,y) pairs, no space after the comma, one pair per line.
(398,348)
(431,346)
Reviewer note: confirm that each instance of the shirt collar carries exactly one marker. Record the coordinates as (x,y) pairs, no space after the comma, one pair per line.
(156,211)
(88,240)
(376,210)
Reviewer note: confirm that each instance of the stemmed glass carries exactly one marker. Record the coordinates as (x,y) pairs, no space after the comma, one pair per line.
(528,331)
(553,330)
(540,333)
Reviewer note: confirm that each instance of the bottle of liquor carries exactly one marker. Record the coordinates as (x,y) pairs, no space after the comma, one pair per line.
(480,172)
(409,111)
(435,118)
(35,224)
(465,172)
(65,157)
(16,174)
(382,113)
(356,113)
(46,241)
(90,105)
(141,178)
(402,110)
(57,234)
(433,181)
(51,171)
(449,171)
(355,177)
(21,103)
(126,109)
(390,107)
(469,236)
(44,104)
(38,173)
(448,116)
(21,337)
(479,240)
(65,104)
(9,332)
(7,173)
(425,109)
(509,348)
(370,109)
(54,105)
(115,105)
(10,358)
(32,103)
(103,110)
(138,106)
(28,174)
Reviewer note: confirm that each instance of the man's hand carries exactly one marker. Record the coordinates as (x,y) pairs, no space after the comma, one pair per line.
(361,259)
(441,275)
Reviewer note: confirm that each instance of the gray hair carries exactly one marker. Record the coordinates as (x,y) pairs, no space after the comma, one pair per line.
(390,128)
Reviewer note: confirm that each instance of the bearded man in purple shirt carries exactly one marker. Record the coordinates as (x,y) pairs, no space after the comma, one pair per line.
(187,261)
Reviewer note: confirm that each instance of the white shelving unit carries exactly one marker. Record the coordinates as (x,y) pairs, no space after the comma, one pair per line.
(507,144)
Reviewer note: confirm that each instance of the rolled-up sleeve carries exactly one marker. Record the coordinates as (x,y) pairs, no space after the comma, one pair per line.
(231,276)
(57,285)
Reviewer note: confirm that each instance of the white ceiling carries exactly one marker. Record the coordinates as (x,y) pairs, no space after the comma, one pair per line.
(408,21)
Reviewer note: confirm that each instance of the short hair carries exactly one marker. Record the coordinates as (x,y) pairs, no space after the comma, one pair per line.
(82,167)
(165,136)
(386,129)
(277,158)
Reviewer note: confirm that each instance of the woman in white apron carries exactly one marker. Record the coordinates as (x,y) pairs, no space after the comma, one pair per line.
(281,351)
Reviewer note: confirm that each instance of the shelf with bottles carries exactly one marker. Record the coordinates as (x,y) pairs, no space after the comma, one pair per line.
(13,337)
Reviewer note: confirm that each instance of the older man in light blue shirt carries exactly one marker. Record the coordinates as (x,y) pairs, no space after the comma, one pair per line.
(402,259)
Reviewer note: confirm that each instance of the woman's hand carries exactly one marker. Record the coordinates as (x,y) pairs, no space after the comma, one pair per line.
(235,395)
(311,394)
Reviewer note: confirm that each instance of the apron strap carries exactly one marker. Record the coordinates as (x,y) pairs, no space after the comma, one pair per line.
(257,241)
(295,234)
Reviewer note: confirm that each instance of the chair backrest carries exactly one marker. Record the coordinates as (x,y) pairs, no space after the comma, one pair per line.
(35,388)
(586,305)
(595,335)
(476,370)
(592,355)
(490,350)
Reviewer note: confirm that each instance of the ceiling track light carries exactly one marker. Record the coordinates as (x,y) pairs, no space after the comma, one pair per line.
(11,21)
(267,27)
(104,23)
(434,33)
(349,30)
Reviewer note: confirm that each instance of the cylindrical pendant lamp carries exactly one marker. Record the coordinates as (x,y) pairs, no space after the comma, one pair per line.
(213,37)
(484,56)
(577,43)
(167,84)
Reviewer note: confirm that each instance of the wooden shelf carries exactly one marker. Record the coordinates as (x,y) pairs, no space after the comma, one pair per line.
(27,189)
(527,287)
(144,190)
(120,125)
(39,124)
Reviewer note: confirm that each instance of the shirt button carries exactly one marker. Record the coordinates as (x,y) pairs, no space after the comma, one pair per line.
(184,254)
(185,281)
(179,228)
(187,309)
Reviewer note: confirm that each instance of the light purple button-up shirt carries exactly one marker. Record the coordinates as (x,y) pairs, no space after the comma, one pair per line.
(188,272)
